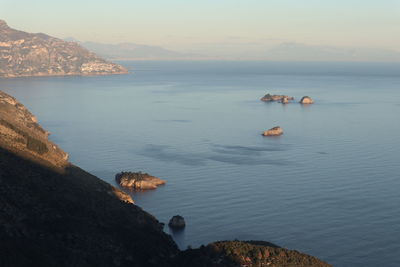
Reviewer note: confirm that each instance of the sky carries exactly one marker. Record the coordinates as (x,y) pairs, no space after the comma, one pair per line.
(215,27)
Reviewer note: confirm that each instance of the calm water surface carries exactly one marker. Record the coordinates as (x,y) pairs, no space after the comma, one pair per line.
(330,186)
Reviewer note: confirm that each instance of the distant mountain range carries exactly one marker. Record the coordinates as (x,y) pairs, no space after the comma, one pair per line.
(301,52)
(38,54)
(285,51)
(132,51)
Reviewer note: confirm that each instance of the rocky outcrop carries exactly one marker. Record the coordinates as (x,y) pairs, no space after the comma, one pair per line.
(275,131)
(38,54)
(138,180)
(306,100)
(249,254)
(271,98)
(177,222)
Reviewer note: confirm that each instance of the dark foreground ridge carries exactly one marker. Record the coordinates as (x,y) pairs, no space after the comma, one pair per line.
(53,213)
(38,54)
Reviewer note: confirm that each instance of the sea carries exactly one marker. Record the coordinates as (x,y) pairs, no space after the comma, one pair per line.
(329,186)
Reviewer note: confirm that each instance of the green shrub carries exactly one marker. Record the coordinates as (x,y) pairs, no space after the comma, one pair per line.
(36,146)
(32,144)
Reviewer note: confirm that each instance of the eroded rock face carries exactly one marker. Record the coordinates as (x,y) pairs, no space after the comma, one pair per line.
(138,180)
(38,54)
(306,100)
(271,98)
(177,222)
(275,131)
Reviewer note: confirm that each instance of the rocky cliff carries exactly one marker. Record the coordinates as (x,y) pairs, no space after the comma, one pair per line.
(38,54)
(53,213)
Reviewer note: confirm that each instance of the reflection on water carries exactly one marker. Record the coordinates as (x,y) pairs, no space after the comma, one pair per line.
(178,235)
(238,155)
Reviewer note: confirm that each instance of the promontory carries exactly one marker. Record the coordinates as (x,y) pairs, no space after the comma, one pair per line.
(38,54)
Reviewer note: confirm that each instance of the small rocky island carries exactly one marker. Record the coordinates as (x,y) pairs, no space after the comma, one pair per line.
(306,100)
(275,131)
(138,180)
(177,222)
(276,98)
(37,54)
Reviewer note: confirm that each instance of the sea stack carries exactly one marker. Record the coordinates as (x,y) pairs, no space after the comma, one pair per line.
(306,100)
(275,131)
(177,222)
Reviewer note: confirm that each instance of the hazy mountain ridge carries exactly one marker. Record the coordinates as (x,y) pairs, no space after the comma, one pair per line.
(132,51)
(282,51)
(290,51)
(38,54)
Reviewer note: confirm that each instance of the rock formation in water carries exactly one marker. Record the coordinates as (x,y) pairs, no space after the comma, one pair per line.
(306,100)
(138,180)
(271,98)
(177,222)
(38,54)
(275,131)
(53,213)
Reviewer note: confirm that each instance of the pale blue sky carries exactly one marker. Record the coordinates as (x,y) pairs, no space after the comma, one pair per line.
(213,24)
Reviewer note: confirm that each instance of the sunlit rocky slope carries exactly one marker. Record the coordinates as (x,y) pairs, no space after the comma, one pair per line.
(38,54)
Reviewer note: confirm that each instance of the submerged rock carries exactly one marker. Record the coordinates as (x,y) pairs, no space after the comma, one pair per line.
(275,131)
(177,222)
(138,180)
(271,98)
(306,100)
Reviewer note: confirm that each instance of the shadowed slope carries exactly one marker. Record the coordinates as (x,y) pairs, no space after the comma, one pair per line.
(72,219)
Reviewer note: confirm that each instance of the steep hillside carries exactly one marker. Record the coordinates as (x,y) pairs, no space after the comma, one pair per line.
(37,54)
